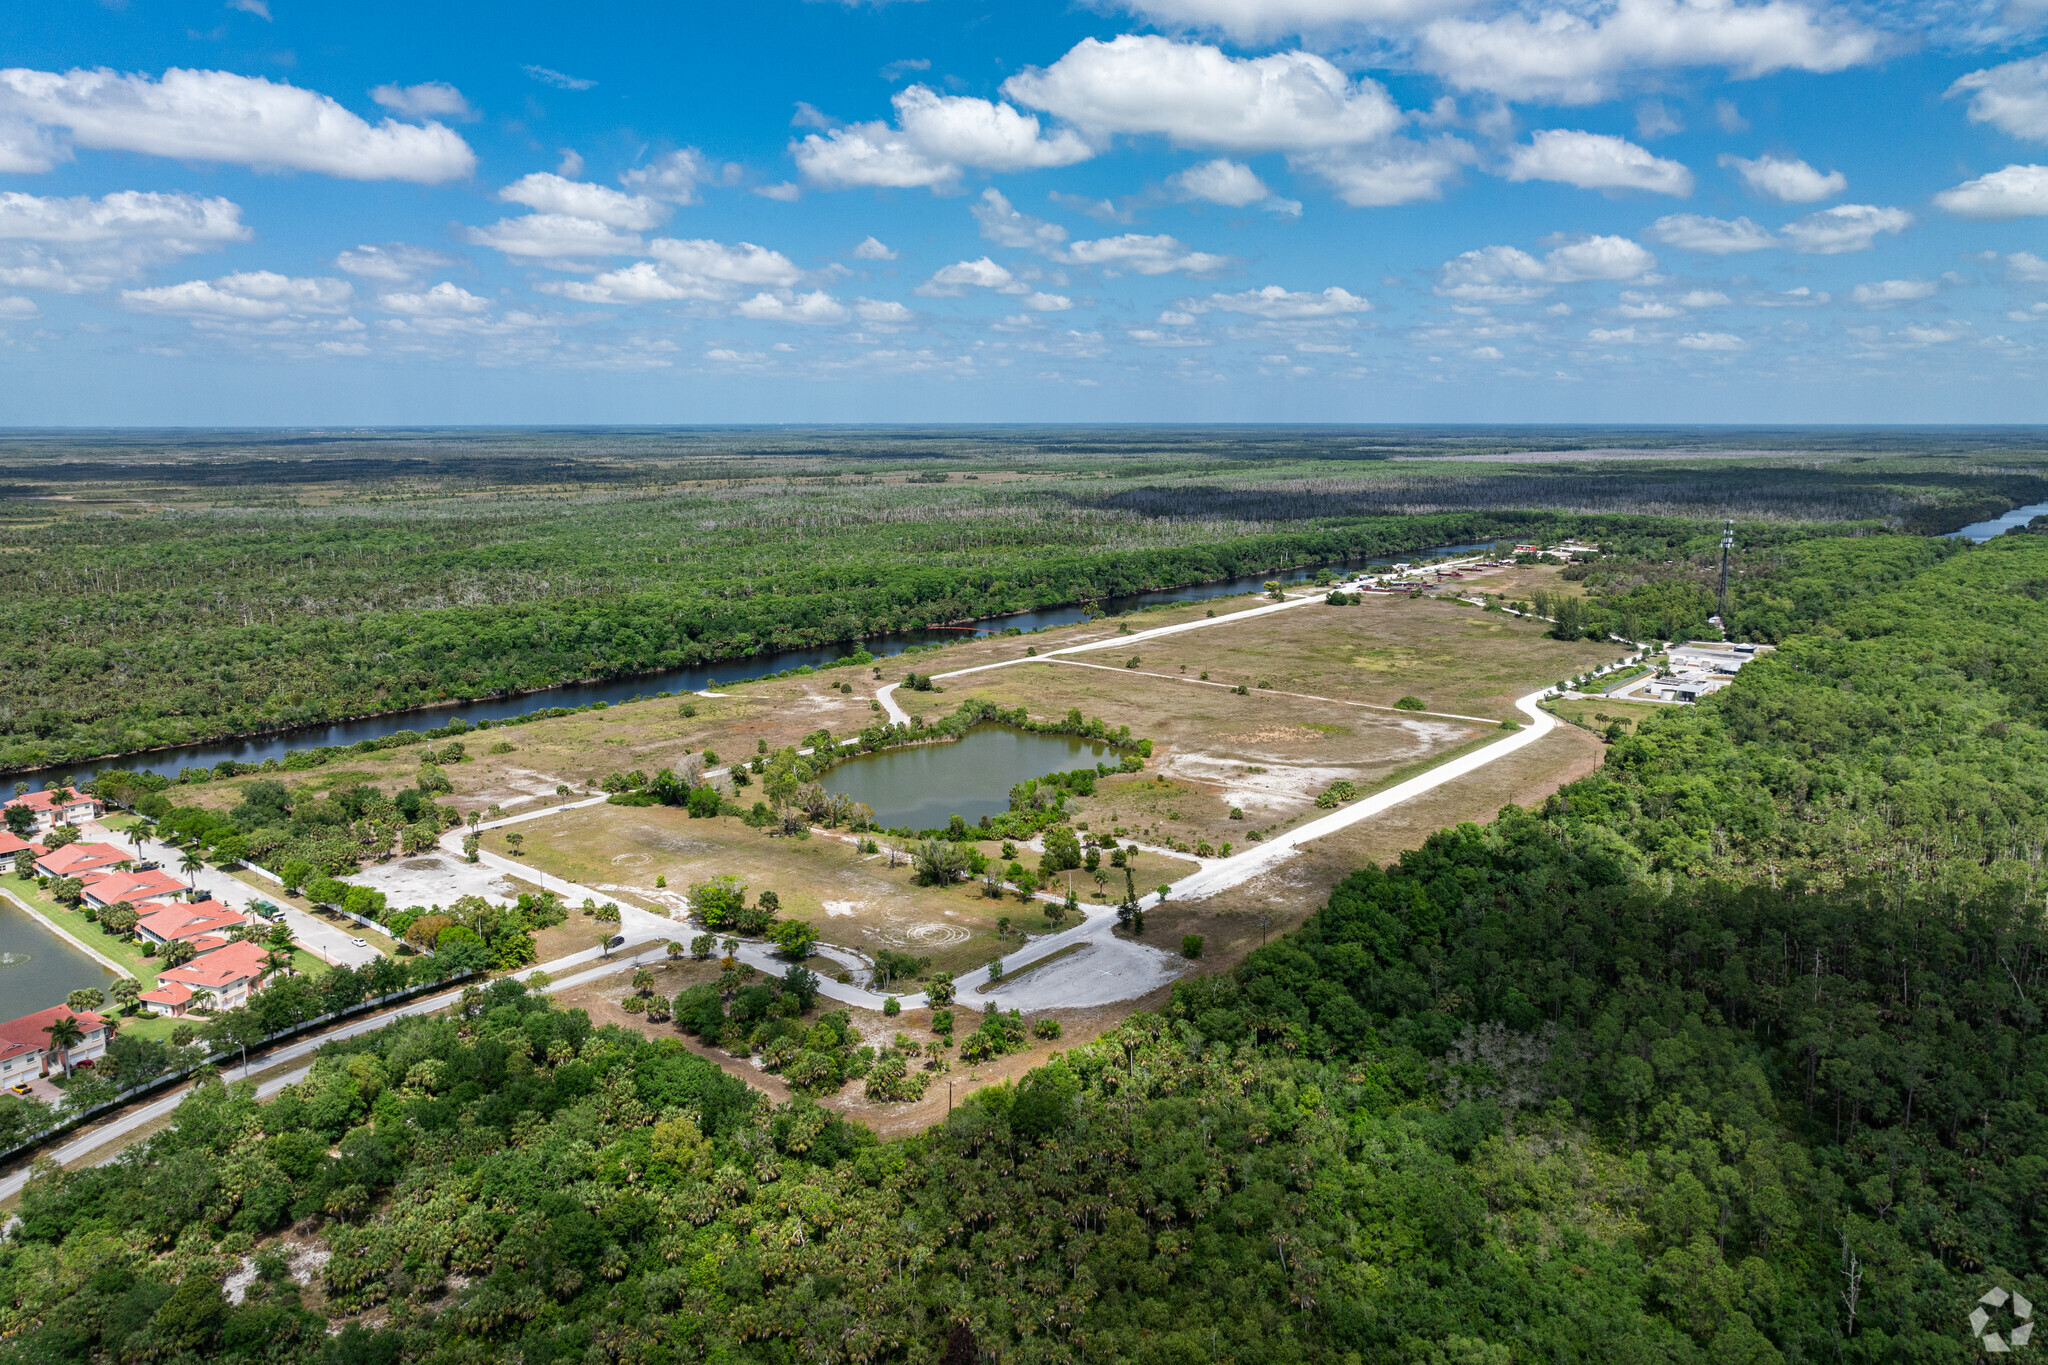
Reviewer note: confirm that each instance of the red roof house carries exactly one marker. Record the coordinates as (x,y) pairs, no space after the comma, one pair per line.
(162,923)
(232,974)
(9,846)
(25,1049)
(50,809)
(75,860)
(105,888)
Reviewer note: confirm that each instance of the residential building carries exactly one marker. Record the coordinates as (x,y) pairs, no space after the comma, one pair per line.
(75,860)
(25,1049)
(232,975)
(103,889)
(51,809)
(9,846)
(194,923)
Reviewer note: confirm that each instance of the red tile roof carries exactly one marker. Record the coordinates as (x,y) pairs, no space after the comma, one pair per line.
(171,994)
(133,887)
(47,800)
(9,846)
(216,971)
(73,859)
(172,922)
(26,1033)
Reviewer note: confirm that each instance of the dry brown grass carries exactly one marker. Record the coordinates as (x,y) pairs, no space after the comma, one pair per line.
(1297,887)
(855,900)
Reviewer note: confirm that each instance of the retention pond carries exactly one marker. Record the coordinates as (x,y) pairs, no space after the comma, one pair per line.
(926,785)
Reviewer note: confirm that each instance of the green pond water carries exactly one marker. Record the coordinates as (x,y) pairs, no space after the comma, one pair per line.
(925,785)
(38,969)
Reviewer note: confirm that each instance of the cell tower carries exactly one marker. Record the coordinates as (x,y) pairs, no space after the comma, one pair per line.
(1727,544)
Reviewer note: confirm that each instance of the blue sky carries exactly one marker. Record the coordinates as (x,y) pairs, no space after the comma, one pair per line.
(276,212)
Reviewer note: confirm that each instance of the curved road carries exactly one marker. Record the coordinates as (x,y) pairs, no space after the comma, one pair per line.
(641,928)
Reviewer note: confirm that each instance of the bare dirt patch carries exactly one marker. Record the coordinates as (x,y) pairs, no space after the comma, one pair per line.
(1297,887)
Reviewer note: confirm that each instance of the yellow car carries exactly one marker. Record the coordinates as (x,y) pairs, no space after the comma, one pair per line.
(18,1088)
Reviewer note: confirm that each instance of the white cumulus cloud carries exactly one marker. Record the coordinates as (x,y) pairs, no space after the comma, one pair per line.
(1597,161)
(580,199)
(1710,236)
(1280,305)
(694,269)
(554,236)
(1047,303)
(1505,274)
(953,281)
(1199,96)
(1002,223)
(221,116)
(816,309)
(444,300)
(2015,192)
(392,262)
(883,312)
(1559,55)
(1145,255)
(1884,293)
(1229,183)
(673,177)
(255,295)
(431,99)
(1396,172)
(1786,179)
(69,245)
(2012,98)
(871,249)
(26,149)
(935,138)
(1845,227)
(1712,341)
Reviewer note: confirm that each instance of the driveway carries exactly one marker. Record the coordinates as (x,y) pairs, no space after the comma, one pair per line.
(325,941)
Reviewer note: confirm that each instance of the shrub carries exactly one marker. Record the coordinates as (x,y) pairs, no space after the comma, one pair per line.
(1191,945)
(1411,704)
(890,1009)
(1046,1027)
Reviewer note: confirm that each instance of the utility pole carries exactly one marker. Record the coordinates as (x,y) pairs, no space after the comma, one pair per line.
(1727,544)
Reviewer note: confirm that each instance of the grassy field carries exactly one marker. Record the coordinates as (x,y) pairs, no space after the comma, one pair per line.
(1453,656)
(855,899)
(1297,887)
(1597,713)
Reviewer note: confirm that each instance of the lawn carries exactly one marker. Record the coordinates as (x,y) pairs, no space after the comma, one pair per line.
(1597,713)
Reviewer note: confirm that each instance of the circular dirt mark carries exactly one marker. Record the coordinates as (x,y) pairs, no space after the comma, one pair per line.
(934,935)
(631,860)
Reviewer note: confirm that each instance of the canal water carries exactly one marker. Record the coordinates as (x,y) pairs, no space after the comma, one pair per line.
(38,969)
(925,785)
(697,678)
(2019,516)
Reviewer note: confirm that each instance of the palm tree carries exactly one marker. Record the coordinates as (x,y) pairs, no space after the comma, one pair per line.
(138,834)
(277,959)
(201,997)
(126,991)
(65,1034)
(190,865)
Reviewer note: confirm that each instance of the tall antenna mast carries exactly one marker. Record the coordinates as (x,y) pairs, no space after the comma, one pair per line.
(1727,544)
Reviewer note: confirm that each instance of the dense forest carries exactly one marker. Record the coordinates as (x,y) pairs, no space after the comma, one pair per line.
(1731,1052)
(190,586)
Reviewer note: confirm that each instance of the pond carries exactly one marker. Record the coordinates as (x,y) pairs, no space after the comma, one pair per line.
(38,969)
(924,785)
